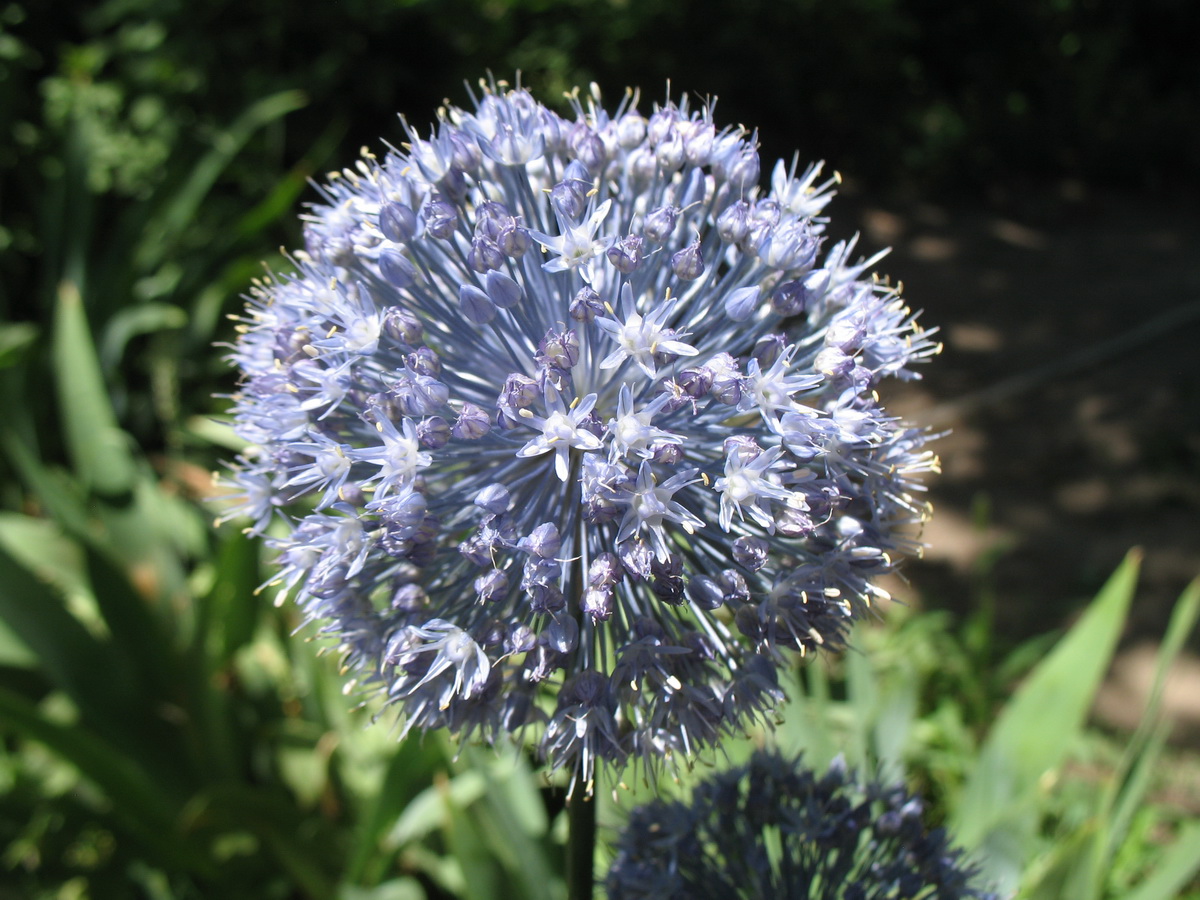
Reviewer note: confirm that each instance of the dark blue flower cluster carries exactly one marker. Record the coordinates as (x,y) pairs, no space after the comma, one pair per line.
(573,425)
(773,829)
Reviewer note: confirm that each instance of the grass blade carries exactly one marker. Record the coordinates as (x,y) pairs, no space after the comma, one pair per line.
(1177,867)
(99,449)
(1037,728)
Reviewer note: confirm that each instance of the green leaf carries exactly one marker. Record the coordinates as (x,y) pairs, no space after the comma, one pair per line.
(15,339)
(230,611)
(166,226)
(512,822)
(409,770)
(99,449)
(59,494)
(72,658)
(464,835)
(1037,729)
(140,803)
(427,811)
(1176,868)
(396,889)
(131,321)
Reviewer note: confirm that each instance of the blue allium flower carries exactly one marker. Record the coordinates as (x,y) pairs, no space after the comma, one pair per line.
(575,427)
(773,829)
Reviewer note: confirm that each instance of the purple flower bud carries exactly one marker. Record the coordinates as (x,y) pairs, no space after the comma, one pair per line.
(744,171)
(833,362)
(597,603)
(741,304)
(743,446)
(788,299)
(599,509)
(696,382)
(660,222)
(768,348)
(733,224)
(440,218)
(587,147)
(698,144)
(586,305)
(543,541)
(419,395)
(666,453)
(490,216)
(423,361)
(521,639)
(687,263)
(466,156)
(734,585)
(476,551)
(605,570)
(396,268)
(554,132)
(405,511)
(636,557)
(409,598)
(705,592)
(846,333)
(472,423)
(513,240)
(519,392)
(401,325)
(792,522)
(475,305)
(788,247)
(558,349)
(491,585)
(727,379)
(670,153)
(433,433)
(642,167)
(562,634)
(397,222)
(668,579)
(626,254)
(494,498)
(502,290)
(631,130)
(484,255)
(569,198)
(453,185)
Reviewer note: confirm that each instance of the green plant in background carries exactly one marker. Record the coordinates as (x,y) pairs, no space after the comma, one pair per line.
(165,736)
(1038,828)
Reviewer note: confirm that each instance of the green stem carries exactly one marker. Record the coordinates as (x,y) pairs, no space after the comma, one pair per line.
(581,843)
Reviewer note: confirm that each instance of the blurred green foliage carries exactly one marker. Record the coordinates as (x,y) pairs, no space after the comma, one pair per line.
(158,148)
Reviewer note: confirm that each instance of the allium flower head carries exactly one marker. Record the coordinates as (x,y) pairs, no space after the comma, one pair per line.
(774,829)
(575,426)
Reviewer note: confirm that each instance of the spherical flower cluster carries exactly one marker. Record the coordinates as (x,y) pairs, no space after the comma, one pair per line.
(574,425)
(772,828)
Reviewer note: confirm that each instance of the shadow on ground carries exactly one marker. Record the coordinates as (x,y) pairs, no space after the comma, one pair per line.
(1070,383)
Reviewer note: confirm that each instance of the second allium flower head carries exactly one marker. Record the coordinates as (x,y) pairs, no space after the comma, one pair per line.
(575,426)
